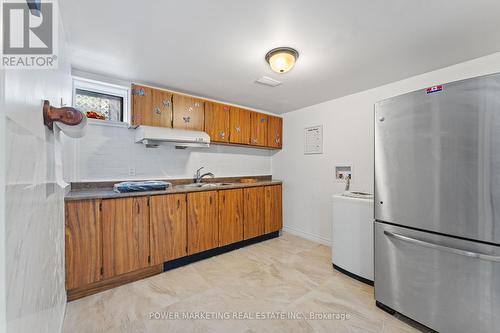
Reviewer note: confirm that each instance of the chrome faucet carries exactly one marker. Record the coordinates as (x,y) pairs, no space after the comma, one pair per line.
(347,183)
(199,177)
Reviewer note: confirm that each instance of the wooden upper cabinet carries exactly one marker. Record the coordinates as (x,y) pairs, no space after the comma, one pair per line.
(230,216)
(83,241)
(151,107)
(273,208)
(275,132)
(239,126)
(202,229)
(168,227)
(125,234)
(188,112)
(258,129)
(254,206)
(217,121)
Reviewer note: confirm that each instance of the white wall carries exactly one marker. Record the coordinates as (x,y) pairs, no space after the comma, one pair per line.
(34,203)
(348,138)
(107,153)
(3,326)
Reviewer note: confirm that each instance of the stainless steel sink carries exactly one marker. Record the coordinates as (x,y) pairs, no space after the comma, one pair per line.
(203,185)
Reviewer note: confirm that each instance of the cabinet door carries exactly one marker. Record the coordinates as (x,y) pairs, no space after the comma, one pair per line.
(189,113)
(202,230)
(142,105)
(125,235)
(230,216)
(162,109)
(83,242)
(273,212)
(217,121)
(258,125)
(274,132)
(151,107)
(168,227)
(239,126)
(254,212)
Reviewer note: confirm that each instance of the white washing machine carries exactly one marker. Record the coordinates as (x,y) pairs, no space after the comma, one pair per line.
(352,238)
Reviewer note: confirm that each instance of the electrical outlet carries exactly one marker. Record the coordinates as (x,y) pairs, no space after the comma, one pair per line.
(131,171)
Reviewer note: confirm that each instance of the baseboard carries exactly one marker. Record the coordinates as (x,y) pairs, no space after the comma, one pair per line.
(307,235)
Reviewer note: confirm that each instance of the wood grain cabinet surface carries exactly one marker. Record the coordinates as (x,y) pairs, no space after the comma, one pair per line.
(230,216)
(254,203)
(239,120)
(125,234)
(202,227)
(223,123)
(168,227)
(258,125)
(188,112)
(83,241)
(217,117)
(273,208)
(275,132)
(110,242)
(151,107)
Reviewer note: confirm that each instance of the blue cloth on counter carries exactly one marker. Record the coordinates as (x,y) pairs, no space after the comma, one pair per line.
(150,185)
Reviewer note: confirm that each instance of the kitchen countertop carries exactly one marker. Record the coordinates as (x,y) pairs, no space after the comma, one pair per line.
(102,192)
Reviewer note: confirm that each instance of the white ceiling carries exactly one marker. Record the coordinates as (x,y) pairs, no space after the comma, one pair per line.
(216,48)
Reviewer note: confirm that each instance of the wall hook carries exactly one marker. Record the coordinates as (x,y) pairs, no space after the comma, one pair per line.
(66,115)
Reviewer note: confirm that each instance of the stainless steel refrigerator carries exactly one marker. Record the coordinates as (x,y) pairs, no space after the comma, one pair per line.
(437,205)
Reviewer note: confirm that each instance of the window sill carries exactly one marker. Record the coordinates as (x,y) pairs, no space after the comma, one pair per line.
(109,123)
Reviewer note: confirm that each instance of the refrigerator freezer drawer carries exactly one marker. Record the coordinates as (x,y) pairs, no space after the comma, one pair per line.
(447,284)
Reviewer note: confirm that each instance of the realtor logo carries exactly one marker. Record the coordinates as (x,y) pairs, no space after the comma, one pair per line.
(29,37)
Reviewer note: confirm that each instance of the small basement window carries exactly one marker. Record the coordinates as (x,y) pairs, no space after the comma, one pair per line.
(100,100)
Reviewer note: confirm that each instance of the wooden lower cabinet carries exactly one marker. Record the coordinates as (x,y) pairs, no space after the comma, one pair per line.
(125,235)
(254,203)
(273,208)
(230,216)
(202,223)
(83,242)
(110,242)
(168,227)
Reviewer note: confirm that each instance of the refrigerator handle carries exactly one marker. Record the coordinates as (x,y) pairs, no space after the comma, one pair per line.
(461,252)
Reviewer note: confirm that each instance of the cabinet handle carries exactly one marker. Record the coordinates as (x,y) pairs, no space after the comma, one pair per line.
(197,104)
(157,110)
(210,199)
(166,103)
(186,119)
(222,135)
(178,203)
(262,120)
(138,207)
(237,129)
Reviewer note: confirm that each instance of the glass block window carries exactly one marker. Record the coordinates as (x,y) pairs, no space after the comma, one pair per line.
(97,105)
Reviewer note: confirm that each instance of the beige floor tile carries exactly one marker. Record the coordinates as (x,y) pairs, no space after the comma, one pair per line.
(288,275)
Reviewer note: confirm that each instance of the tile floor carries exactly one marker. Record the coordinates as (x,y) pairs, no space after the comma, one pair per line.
(285,276)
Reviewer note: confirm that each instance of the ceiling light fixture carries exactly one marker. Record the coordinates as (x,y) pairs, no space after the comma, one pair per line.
(282,59)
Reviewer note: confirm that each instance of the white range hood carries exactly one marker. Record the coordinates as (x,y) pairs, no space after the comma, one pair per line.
(153,136)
